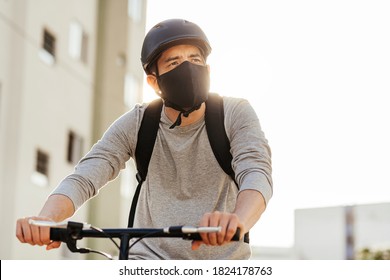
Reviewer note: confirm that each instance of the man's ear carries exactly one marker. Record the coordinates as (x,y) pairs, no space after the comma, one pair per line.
(152,81)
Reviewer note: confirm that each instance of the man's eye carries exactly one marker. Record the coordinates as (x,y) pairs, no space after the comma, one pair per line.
(173,63)
(197,61)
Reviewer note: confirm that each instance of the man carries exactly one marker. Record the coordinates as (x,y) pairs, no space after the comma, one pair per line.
(185,184)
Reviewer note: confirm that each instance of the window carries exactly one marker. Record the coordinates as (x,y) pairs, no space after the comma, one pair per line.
(134,10)
(49,42)
(42,163)
(40,175)
(75,144)
(47,53)
(77,47)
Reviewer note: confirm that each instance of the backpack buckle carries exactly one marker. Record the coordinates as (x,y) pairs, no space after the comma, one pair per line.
(139,177)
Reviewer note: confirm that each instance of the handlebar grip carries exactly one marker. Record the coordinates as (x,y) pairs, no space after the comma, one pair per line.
(59,234)
(196,236)
(236,236)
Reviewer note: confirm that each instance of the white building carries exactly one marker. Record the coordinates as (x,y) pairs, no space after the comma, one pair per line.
(68,68)
(335,233)
(338,233)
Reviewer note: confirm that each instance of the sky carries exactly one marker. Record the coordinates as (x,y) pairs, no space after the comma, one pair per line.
(317,74)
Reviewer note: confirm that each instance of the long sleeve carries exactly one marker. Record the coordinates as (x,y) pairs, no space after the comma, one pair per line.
(104,161)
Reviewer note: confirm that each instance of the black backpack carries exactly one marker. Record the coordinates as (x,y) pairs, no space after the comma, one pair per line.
(214,119)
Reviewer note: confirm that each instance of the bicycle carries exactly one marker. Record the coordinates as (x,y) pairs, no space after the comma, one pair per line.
(70,232)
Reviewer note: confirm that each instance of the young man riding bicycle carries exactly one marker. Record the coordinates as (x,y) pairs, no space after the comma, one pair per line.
(185,183)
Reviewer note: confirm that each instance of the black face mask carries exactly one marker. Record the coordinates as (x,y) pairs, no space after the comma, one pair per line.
(185,88)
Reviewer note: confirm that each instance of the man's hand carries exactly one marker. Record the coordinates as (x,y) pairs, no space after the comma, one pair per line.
(249,207)
(227,221)
(57,208)
(35,235)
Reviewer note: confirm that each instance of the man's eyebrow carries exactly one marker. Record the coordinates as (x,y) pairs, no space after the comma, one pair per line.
(195,55)
(171,58)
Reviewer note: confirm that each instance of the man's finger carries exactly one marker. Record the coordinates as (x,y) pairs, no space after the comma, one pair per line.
(196,244)
(204,222)
(53,245)
(214,219)
(19,231)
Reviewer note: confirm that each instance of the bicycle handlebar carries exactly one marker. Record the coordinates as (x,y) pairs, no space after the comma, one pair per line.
(62,234)
(75,231)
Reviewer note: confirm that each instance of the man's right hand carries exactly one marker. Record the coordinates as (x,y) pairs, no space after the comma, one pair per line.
(57,208)
(35,235)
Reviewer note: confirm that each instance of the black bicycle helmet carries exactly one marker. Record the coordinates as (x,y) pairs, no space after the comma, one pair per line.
(169,33)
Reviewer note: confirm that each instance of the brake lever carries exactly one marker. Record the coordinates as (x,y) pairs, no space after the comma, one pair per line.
(73,234)
(68,236)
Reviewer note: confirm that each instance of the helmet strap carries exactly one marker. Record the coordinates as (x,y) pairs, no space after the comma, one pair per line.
(182,112)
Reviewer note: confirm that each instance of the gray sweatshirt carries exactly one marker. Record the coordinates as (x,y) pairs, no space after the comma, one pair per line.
(184,179)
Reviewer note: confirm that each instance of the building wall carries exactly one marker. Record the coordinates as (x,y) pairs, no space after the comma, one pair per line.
(11,95)
(117,48)
(338,233)
(319,233)
(372,226)
(42,100)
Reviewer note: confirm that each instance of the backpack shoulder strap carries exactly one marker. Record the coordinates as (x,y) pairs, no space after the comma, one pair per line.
(220,144)
(147,134)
